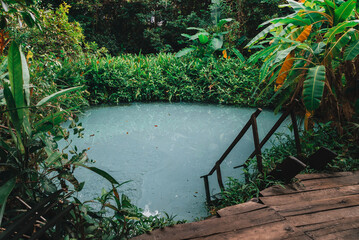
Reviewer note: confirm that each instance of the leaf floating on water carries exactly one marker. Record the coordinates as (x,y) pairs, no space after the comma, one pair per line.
(156,125)
(126,132)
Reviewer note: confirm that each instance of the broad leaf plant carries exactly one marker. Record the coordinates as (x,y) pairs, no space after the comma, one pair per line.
(312,53)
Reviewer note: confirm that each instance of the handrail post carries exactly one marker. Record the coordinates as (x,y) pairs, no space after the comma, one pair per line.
(256,144)
(219,176)
(206,186)
(270,133)
(296,133)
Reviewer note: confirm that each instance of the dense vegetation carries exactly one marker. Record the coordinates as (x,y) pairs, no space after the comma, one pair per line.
(156,78)
(152,26)
(57,57)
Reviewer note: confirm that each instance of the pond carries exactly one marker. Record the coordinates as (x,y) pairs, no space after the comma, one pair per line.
(164,148)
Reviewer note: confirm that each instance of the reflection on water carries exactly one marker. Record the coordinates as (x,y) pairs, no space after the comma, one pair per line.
(164,149)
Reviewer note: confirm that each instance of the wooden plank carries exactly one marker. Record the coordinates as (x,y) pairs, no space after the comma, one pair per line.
(240,208)
(299,208)
(317,181)
(325,216)
(341,229)
(310,196)
(328,224)
(277,230)
(303,177)
(352,234)
(323,183)
(214,226)
(282,190)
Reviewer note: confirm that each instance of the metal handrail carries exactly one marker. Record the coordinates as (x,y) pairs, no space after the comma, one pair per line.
(258,145)
(275,127)
(217,167)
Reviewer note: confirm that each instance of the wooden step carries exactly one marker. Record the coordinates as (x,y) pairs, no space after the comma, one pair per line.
(300,208)
(270,231)
(297,197)
(215,225)
(323,175)
(240,208)
(311,184)
(323,216)
(347,228)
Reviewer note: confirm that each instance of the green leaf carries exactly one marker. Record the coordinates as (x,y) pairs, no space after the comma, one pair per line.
(203,39)
(318,48)
(216,43)
(5,6)
(196,36)
(48,185)
(283,54)
(29,20)
(264,70)
(55,156)
(297,6)
(262,54)
(331,3)
(25,78)
(239,55)
(263,33)
(51,120)
(11,105)
(275,19)
(332,32)
(183,52)
(186,35)
(57,94)
(351,51)
(99,172)
(336,47)
(313,87)
(196,28)
(224,21)
(295,20)
(329,7)
(16,78)
(300,7)
(344,11)
(5,191)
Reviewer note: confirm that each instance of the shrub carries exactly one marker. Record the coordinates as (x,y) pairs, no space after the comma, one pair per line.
(165,78)
(58,36)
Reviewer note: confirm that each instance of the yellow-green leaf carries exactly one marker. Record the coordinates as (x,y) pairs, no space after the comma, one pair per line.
(313,87)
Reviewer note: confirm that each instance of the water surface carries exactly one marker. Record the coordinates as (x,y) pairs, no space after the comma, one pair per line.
(164,149)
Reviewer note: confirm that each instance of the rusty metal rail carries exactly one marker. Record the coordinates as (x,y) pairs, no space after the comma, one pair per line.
(257,144)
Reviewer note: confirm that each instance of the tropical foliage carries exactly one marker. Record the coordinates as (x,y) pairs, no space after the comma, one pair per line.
(156,78)
(31,164)
(309,50)
(313,52)
(206,44)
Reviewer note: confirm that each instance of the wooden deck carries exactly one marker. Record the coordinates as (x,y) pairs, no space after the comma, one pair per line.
(319,206)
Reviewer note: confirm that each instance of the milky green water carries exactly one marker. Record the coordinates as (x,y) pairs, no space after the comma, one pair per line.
(164,149)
